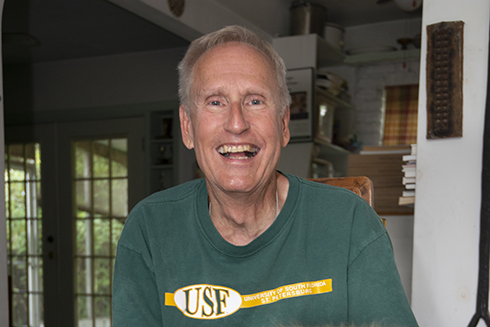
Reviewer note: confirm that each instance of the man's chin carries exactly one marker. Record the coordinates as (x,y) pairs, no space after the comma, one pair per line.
(235,183)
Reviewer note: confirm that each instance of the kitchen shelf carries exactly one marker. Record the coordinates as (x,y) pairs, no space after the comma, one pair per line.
(382,56)
(334,154)
(161,147)
(339,103)
(328,55)
(301,51)
(329,148)
(312,51)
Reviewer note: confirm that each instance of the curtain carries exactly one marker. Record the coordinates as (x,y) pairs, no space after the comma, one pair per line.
(401,106)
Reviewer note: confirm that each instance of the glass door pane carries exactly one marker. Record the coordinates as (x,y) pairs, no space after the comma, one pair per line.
(24,233)
(100,184)
(91,170)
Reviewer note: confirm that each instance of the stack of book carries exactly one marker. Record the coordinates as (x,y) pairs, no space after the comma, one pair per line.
(409,169)
(382,165)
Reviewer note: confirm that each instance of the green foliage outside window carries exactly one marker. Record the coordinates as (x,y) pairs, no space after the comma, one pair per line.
(24,232)
(101,187)
(101,207)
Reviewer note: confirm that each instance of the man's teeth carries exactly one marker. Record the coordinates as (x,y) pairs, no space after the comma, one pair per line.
(236,148)
(248,150)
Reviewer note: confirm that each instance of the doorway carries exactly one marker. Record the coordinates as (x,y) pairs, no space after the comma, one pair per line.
(69,188)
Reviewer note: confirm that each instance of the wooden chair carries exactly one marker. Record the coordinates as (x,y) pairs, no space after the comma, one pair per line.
(360,185)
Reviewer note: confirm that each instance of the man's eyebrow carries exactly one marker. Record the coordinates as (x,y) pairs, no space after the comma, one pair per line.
(222,90)
(212,91)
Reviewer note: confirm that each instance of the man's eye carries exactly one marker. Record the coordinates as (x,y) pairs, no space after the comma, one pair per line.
(215,103)
(255,102)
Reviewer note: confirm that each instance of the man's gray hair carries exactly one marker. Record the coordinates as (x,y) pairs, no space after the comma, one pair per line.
(230,34)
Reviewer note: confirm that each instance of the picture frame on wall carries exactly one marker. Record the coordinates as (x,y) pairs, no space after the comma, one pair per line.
(300,85)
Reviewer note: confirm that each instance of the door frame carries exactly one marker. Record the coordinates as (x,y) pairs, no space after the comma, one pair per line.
(57,192)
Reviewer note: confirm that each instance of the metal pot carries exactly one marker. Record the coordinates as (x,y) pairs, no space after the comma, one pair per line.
(307,18)
(334,34)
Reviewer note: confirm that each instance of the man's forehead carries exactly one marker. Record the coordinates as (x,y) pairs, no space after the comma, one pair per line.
(235,49)
(213,73)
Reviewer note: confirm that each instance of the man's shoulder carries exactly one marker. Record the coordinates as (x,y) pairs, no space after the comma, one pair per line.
(174,194)
(313,187)
(165,204)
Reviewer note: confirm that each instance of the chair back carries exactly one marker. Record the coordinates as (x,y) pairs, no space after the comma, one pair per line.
(360,185)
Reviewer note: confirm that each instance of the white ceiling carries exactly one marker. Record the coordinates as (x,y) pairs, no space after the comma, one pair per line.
(273,15)
(84,28)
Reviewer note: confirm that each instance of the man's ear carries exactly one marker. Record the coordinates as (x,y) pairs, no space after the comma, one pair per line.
(186,128)
(285,127)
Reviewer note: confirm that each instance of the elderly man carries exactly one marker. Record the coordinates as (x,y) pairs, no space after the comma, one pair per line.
(249,245)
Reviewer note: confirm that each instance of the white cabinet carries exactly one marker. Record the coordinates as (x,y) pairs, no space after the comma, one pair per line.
(302,51)
(311,51)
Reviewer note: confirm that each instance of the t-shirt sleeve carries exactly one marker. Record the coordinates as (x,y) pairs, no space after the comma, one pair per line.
(135,299)
(375,291)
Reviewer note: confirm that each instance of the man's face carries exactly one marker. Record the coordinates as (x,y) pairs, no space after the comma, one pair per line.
(235,124)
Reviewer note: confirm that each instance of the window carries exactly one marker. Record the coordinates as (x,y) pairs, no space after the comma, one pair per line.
(24,233)
(400,119)
(61,246)
(101,188)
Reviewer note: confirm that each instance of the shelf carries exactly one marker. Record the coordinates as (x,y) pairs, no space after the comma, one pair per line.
(301,51)
(330,149)
(382,56)
(339,103)
(334,154)
(328,55)
(162,161)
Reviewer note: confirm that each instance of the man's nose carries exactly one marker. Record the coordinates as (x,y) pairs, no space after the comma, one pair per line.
(237,121)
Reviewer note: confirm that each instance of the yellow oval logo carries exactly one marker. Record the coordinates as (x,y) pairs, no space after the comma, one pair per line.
(203,301)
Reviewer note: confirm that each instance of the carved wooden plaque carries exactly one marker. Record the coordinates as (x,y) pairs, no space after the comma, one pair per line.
(177,7)
(445,80)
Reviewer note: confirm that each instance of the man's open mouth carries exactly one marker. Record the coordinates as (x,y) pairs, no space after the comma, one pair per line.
(238,151)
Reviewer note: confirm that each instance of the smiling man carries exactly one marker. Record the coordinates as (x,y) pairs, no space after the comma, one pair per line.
(237,127)
(249,245)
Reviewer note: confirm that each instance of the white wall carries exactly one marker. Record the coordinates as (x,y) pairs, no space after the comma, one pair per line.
(447,212)
(400,230)
(104,81)
(383,34)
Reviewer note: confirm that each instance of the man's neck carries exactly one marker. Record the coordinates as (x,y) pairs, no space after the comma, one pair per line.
(242,218)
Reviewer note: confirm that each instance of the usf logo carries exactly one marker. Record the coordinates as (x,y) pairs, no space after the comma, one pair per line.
(204,301)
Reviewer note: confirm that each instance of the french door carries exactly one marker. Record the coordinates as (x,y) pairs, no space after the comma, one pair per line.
(69,188)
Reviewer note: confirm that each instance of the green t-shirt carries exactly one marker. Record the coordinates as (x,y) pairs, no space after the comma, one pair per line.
(327,259)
